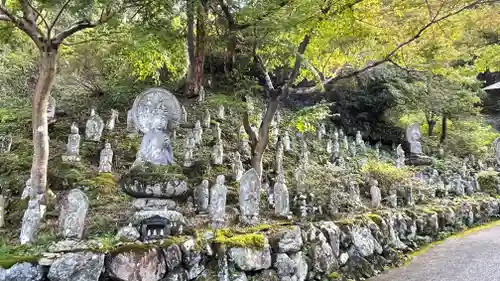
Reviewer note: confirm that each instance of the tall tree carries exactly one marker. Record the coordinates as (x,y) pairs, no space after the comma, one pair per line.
(48,33)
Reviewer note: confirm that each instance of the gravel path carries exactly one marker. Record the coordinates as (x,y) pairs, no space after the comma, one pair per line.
(475,257)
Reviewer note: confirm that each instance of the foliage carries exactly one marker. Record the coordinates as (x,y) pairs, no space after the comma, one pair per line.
(489,181)
(385,173)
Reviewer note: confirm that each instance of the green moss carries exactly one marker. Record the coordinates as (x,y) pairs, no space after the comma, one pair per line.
(375,218)
(385,173)
(251,240)
(105,183)
(334,276)
(8,261)
(110,246)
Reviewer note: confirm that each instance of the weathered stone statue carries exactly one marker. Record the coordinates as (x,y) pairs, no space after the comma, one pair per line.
(217,132)
(73,214)
(413,136)
(376,197)
(237,167)
(274,132)
(321,131)
(335,152)
(189,149)
(392,199)
(329,146)
(221,114)
(73,146)
(249,197)
(31,220)
(304,153)
(359,139)
(218,195)
(131,129)
(94,127)
(156,148)
(5,143)
(218,153)
(2,211)
(281,198)
(286,142)
(345,142)
(206,119)
(110,125)
(106,159)
(353,191)
(201,197)
(496,147)
(353,149)
(400,157)
(198,132)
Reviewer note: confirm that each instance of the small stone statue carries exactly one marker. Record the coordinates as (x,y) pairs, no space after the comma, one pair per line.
(392,199)
(131,129)
(217,132)
(375,195)
(353,149)
(189,150)
(73,146)
(94,127)
(106,159)
(237,167)
(274,133)
(249,197)
(329,146)
(218,153)
(304,154)
(321,131)
(221,114)
(206,119)
(286,142)
(335,151)
(345,142)
(400,160)
(5,143)
(359,139)
(112,120)
(201,197)
(281,198)
(217,207)
(184,114)
(413,137)
(198,132)
(353,191)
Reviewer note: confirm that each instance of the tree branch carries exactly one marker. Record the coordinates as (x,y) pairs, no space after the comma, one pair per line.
(54,22)
(260,65)
(248,128)
(298,60)
(396,49)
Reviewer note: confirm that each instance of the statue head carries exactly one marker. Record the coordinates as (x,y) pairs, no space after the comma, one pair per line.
(107,145)
(281,178)
(92,111)
(220,179)
(74,129)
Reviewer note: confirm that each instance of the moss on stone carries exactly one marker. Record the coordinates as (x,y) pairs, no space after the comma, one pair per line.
(334,276)
(140,247)
(8,261)
(251,240)
(488,181)
(104,183)
(375,218)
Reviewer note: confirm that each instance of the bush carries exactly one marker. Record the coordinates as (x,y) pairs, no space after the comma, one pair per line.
(385,173)
(488,181)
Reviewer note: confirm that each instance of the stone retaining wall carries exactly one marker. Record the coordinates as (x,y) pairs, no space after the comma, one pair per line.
(349,249)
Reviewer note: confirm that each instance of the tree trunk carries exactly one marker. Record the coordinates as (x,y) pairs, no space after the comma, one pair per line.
(230,53)
(190,43)
(443,128)
(43,87)
(431,123)
(195,82)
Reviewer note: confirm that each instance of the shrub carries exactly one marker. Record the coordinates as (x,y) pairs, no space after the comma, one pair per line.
(385,173)
(488,181)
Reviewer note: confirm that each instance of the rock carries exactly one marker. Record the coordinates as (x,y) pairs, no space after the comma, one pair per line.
(21,272)
(138,266)
(248,259)
(173,256)
(332,232)
(237,275)
(323,258)
(364,241)
(166,190)
(128,233)
(192,259)
(284,265)
(290,240)
(81,266)
(73,213)
(69,246)
(357,266)
(178,275)
(301,265)
(344,257)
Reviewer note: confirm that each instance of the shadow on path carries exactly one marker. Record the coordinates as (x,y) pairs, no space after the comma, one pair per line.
(475,257)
